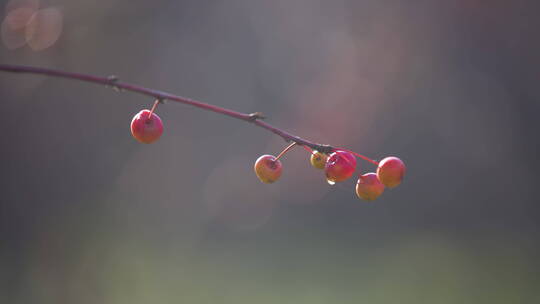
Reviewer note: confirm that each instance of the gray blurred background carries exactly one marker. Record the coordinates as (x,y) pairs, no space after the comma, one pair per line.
(88,215)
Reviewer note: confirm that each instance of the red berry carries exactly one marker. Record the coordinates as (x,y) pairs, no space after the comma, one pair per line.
(146,129)
(391,171)
(339,166)
(268,168)
(369,187)
(318,159)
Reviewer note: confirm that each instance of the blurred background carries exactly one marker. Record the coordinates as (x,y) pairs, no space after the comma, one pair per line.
(88,215)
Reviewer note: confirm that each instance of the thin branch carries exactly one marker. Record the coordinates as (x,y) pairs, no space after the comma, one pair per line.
(113,82)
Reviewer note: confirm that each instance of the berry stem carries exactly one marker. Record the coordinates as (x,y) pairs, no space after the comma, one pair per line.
(361,156)
(112,81)
(154,107)
(308,149)
(286,150)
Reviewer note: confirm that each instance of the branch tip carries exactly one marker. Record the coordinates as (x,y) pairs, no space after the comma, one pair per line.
(326,149)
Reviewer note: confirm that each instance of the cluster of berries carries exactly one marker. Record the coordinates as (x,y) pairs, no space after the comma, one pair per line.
(338,166)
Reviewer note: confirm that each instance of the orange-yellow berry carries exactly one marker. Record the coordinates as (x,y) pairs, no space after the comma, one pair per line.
(369,187)
(391,171)
(268,168)
(318,159)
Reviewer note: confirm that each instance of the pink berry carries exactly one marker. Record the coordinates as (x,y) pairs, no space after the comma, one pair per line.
(145,128)
(339,166)
(268,168)
(391,171)
(318,159)
(369,187)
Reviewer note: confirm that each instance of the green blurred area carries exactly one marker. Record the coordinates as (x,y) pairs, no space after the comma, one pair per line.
(299,268)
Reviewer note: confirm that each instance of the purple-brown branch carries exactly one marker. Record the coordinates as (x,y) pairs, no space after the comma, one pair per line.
(112,81)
